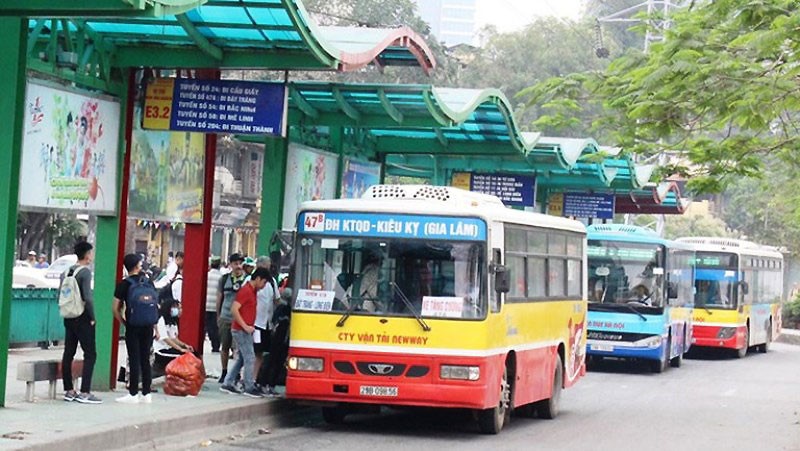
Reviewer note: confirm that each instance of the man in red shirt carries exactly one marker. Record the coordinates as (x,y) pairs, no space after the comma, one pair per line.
(243,311)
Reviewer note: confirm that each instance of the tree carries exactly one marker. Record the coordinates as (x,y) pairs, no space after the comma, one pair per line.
(42,232)
(723,88)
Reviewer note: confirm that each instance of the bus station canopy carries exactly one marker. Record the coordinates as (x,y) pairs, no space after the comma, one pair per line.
(662,198)
(217,34)
(463,130)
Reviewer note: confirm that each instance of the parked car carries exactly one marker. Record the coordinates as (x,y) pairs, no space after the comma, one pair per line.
(25,277)
(60,265)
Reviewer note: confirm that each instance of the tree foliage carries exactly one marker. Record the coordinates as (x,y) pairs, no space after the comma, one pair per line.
(723,87)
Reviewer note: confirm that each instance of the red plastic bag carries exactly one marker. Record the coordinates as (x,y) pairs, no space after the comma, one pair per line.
(185,376)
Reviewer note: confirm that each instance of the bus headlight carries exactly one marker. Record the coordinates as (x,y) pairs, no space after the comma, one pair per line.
(726,332)
(653,342)
(305,364)
(460,372)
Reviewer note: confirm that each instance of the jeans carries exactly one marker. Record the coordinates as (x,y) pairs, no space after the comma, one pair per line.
(78,330)
(247,358)
(138,341)
(212,329)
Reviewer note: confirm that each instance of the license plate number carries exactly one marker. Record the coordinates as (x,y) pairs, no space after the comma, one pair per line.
(603,348)
(371,390)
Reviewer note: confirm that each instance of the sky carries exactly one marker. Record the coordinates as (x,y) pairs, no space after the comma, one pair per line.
(510,15)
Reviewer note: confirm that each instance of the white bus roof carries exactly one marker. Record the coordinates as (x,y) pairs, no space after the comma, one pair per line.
(717,244)
(443,201)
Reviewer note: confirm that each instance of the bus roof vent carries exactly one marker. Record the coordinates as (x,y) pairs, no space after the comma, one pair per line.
(717,241)
(427,192)
(621,228)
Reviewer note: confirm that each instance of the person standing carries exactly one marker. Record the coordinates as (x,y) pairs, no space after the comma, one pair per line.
(279,343)
(243,312)
(138,339)
(31,260)
(174,267)
(212,291)
(42,263)
(266,299)
(229,284)
(81,330)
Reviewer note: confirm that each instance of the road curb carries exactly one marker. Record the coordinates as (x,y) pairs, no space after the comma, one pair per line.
(789,336)
(131,435)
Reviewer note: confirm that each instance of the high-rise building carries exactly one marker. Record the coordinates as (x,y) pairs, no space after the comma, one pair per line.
(451,21)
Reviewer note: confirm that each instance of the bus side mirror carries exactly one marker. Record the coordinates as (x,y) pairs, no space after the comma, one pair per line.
(502,283)
(672,290)
(745,287)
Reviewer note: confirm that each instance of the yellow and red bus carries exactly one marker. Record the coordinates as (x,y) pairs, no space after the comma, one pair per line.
(436,297)
(738,294)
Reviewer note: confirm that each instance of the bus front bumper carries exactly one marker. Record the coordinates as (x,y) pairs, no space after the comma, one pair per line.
(653,350)
(730,337)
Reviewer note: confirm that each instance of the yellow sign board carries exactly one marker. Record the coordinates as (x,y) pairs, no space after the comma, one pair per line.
(555,204)
(158,104)
(461,180)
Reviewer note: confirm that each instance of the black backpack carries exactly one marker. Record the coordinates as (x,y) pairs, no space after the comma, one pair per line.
(165,294)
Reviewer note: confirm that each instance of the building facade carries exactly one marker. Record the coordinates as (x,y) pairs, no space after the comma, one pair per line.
(452,21)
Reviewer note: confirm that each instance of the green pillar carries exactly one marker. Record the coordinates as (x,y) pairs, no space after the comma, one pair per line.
(273,183)
(337,135)
(12,104)
(106,264)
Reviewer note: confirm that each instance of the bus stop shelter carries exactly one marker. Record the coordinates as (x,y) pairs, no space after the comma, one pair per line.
(98,45)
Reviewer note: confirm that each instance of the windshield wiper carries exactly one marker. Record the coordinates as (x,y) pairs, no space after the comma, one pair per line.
(350,308)
(708,310)
(411,308)
(633,309)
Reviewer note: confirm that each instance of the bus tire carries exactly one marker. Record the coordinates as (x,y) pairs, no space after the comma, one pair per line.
(741,352)
(334,415)
(491,421)
(765,347)
(548,408)
(659,366)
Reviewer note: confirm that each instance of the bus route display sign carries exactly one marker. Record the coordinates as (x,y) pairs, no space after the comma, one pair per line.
(513,189)
(380,225)
(582,205)
(215,106)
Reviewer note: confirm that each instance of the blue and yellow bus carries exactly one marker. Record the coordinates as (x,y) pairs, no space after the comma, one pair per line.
(640,296)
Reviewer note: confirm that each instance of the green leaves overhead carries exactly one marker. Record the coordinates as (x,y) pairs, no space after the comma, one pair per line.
(724,87)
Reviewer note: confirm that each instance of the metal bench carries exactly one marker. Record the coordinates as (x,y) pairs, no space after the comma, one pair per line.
(44,370)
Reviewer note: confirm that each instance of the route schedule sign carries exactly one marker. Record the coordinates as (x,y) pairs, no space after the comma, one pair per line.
(581,205)
(215,106)
(513,190)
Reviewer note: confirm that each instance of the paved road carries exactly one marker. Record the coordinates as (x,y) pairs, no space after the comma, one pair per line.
(710,403)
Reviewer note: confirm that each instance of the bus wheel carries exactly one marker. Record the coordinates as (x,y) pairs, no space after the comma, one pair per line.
(740,353)
(659,366)
(334,415)
(491,421)
(765,347)
(548,408)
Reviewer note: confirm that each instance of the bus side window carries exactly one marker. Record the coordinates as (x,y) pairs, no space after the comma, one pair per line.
(494,295)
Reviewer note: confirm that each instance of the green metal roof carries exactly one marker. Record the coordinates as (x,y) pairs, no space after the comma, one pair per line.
(269,34)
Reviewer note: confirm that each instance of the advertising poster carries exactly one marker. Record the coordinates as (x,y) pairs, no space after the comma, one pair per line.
(69,151)
(252,172)
(358,176)
(167,170)
(310,175)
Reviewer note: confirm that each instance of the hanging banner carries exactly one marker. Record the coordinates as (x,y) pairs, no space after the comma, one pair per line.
(215,106)
(514,190)
(69,150)
(310,175)
(252,171)
(358,176)
(167,174)
(581,205)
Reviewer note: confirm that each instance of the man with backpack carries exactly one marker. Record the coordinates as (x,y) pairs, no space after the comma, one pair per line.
(138,299)
(76,305)
(229,285)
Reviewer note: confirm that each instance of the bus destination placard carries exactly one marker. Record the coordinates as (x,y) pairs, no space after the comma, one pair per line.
(392,226)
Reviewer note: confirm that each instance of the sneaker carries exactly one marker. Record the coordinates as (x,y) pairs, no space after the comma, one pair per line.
(253,393)
(229,389)
(221,379)
(70,396)
(88,398)
(146,399)
(272,393)
(128,399)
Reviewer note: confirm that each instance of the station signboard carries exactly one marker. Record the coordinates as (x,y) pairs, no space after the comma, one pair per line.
(581,205)
(513,189)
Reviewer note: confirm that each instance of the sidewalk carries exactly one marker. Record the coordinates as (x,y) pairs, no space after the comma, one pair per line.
(790,336)
(55,424)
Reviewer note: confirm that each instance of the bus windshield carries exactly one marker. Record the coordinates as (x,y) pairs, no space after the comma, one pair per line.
(622,272)
(390,277)
(716,277)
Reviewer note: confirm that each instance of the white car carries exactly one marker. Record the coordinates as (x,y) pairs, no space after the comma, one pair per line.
(26,277)
(59,266)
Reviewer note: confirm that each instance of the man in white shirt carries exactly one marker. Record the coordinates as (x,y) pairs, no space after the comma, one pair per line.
(264,308)
(212,292)
(172,271)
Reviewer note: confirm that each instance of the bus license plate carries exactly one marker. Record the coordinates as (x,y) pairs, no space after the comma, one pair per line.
(603,348)
(371,390)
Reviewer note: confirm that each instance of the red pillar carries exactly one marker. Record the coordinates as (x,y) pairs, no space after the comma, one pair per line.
(123,210)
(196,250)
